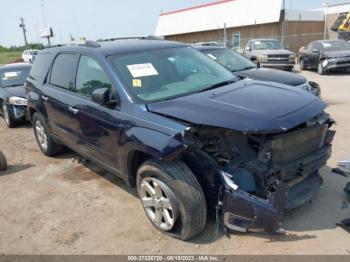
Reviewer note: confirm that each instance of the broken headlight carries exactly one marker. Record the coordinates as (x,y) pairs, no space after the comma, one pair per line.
(17,101)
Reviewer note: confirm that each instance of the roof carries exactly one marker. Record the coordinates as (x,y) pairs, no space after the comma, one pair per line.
(212,16)
(15,66)
(118,46)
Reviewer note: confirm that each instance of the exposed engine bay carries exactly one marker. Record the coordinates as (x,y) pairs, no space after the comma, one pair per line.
(260,175)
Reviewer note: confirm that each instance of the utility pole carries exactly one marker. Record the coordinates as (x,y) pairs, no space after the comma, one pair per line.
(283,25)
(23,30)
(325,29)
(225,35)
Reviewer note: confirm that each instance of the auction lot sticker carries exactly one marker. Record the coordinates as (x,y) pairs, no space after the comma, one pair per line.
(140,70)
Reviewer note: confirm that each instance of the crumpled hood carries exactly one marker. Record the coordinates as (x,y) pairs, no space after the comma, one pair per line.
(273,52)
(16,91)
(247,106)
(337,54)
(273,75)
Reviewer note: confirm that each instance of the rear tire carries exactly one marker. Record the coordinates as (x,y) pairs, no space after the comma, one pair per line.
(3,162)
(179,185)
(43,137)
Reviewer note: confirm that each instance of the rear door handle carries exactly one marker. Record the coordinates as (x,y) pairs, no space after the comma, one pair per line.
(45,98)
(73,110)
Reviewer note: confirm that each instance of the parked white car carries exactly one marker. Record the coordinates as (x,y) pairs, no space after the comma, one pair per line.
(28,56)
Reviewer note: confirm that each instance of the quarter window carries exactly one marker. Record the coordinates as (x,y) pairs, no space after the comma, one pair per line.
(90,76)
(63,70)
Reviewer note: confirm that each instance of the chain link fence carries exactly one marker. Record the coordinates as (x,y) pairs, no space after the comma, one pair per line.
(291,42)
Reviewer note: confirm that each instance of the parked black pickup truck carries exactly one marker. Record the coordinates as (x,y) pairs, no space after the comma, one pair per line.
(269,53)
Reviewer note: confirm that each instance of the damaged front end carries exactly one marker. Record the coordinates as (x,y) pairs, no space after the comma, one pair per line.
(251,178)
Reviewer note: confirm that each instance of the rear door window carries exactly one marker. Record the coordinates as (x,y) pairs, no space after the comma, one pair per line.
(63,71)
(90,76)
(40,66)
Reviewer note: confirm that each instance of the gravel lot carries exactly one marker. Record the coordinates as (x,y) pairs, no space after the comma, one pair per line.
(62,206)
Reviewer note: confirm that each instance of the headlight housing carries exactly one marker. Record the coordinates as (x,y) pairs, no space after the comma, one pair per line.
(263,58)
(292,57)
(18,101)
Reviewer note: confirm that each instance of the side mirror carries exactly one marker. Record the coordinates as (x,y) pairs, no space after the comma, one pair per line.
(100,96)
(315,51)
(247,49)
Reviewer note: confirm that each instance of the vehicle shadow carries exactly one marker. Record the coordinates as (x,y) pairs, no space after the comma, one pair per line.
(94,170)
(12,169)
(322,213)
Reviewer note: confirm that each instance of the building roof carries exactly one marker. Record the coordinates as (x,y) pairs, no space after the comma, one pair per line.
(212,16)
(337,8)
(233,13)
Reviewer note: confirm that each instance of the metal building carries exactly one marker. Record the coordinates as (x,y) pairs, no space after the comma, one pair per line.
(234,22)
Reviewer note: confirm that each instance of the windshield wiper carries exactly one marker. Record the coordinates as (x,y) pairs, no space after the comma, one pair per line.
(244,68)
(14,85)
(223,83)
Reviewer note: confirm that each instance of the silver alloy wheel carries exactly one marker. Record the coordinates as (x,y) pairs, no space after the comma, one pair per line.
(159,203)
(6,114)
(41,135)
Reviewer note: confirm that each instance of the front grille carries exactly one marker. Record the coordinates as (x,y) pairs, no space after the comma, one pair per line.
(298,144)
(278,58)
(343,62)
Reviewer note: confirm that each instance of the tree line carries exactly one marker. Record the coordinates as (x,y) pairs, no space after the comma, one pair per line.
(21,48)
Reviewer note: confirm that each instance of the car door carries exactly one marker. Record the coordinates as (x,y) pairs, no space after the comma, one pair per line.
(56,97)
(97,127)
(314,54)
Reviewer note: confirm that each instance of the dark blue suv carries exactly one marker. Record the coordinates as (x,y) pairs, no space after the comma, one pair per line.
(187,133)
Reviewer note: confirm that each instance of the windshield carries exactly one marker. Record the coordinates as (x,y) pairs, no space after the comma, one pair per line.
(230,59)
(335,45)
(162,74)
(13,77)
(267,44)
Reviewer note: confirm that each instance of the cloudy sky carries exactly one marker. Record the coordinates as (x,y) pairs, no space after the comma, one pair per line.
(94,18)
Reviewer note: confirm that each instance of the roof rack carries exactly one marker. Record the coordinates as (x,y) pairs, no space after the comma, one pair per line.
(150,37)
(87,43)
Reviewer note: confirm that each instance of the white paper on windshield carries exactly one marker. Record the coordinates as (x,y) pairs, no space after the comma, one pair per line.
(212,56)
(140,70)
(10,74)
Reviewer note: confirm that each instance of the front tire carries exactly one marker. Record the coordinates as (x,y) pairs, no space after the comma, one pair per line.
(320,69)
(172,198)
(302,65)
(3,162)
(8,116)
(43,137)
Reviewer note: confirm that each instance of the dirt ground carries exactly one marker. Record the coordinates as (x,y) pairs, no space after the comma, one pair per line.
(62,206)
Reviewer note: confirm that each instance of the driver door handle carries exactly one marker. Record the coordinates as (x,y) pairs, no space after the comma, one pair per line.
(73,110)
